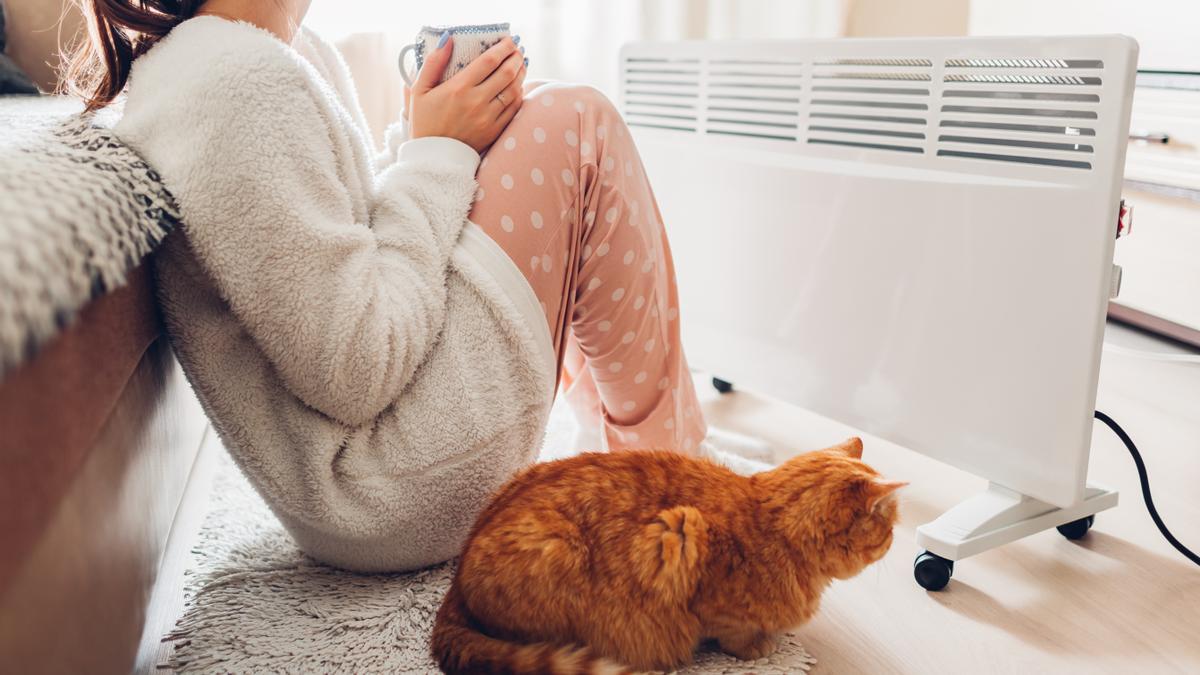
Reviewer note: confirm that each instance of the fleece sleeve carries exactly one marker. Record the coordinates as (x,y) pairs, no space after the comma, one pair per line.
(333,68)
(394,138)
(345,302)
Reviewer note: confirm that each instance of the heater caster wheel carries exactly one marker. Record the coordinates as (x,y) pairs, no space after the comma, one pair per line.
(932,571)
(721,385)
(1076,528)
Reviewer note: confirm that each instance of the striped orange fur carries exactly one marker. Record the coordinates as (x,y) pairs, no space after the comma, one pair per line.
(610,563)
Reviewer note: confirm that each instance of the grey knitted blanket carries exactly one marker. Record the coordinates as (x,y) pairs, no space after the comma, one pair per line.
(78,210)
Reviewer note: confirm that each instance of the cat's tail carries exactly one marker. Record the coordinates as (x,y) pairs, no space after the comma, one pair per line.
(460,648)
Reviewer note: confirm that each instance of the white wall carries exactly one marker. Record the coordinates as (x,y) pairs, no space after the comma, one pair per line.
(904,18)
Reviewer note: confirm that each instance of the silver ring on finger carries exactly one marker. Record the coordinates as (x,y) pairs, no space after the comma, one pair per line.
(500,98)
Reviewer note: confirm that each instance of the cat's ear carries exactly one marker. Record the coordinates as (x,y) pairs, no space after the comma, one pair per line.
(851,447)
(880,489)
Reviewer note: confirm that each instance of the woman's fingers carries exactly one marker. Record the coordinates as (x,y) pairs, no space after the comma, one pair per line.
(502,77)
(507,115)
(511,96)
(435,64)
(486,63)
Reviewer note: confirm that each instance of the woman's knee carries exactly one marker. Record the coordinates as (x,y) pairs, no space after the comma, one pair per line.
(560,101)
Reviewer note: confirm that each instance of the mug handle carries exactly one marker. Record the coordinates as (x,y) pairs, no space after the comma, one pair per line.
(407,77)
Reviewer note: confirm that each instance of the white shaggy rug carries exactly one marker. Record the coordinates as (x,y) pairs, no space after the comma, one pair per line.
(256,604)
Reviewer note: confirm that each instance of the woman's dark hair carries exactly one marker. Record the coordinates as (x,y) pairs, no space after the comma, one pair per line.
(118,31)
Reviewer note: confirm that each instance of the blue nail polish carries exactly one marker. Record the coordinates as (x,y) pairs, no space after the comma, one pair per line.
(516,39)
(444,39)
(526,63)
(522,50)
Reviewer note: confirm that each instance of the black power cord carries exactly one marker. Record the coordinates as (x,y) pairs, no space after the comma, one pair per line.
(1141,469)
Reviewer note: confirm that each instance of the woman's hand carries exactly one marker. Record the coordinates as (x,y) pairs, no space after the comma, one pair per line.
(476,104)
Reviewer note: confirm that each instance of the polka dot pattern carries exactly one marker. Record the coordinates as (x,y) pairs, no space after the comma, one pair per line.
(566,197)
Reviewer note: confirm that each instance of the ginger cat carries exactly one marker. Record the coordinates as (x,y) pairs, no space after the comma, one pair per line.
(604,562)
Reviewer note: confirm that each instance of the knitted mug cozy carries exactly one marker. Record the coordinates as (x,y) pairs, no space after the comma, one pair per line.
(469,42)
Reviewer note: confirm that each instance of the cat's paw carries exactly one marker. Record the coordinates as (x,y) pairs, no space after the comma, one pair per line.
(751,647)
(679,531)
(672,547)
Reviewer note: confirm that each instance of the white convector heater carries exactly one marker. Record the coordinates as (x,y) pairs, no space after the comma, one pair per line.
(911,236)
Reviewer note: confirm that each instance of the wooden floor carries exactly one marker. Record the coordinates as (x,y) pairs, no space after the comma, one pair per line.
(1121,600)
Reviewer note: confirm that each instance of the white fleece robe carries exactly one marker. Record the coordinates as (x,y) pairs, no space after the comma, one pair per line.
(375,364)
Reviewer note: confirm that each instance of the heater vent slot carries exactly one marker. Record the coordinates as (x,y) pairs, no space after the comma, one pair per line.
(872,146)
(914,63)
(754,98)
(1026,63)
(870,103)
(1021,159)
(1021,110)
(1065,80)
(662,93)
(1023,95)
(1031,128)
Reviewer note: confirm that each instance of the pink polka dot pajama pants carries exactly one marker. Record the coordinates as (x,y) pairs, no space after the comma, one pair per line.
(564,194)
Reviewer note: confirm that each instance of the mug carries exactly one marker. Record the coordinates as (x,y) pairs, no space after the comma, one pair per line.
(469,42)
